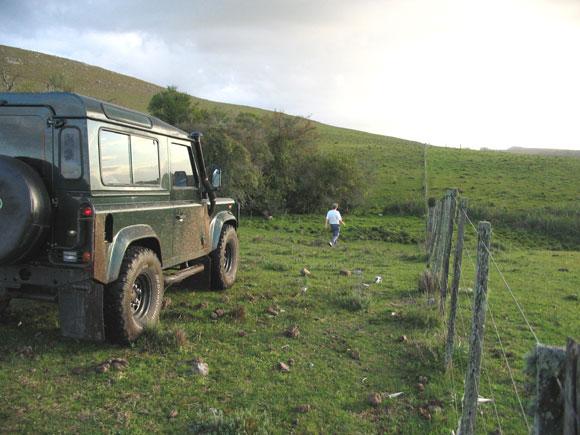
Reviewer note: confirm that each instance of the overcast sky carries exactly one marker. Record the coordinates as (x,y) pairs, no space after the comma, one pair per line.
(494,73)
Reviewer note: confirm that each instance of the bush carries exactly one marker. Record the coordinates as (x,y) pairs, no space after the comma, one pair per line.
(355,300)
(157,340)
(270,163)
(238,423)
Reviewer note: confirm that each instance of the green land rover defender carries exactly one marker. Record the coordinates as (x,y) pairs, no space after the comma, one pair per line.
(102,208)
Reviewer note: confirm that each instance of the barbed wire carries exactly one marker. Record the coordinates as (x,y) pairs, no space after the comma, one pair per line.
(509,367)
(505,282)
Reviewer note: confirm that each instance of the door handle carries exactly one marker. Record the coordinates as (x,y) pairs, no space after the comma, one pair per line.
(179,217)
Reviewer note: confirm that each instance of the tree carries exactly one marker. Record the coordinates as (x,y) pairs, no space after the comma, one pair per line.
(171,106)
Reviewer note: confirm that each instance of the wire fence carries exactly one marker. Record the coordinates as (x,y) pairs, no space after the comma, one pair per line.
(502,406)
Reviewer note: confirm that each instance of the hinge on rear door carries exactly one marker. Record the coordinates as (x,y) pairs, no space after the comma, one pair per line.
(54,202)
(56,123)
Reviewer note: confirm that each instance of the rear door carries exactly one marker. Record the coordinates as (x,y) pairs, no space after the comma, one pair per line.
(191,225)
(27,134)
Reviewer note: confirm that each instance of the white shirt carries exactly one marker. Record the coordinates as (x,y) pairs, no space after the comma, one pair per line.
(333,217)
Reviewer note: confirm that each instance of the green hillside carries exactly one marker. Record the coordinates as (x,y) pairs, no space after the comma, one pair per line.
(528,192)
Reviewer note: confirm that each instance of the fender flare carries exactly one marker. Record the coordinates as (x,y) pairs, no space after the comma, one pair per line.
(216,225)
(121,242)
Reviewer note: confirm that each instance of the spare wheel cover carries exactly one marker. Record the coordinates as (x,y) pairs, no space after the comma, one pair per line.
(24,210)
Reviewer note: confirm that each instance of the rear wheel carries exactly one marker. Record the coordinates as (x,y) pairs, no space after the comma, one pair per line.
(134,300)
(225,259)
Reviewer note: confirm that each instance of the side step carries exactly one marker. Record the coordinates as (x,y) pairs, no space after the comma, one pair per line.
(182,274)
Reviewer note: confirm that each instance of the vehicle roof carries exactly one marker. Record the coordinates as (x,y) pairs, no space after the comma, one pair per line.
(70,105)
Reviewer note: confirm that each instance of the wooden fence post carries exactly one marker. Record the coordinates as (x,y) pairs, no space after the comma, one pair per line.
(450,200)
(572,389)
(548,412)
(455,284)
(435,236)
(467,422)
(430,220)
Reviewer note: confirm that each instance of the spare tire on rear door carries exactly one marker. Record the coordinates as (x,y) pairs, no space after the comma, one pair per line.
(24,210)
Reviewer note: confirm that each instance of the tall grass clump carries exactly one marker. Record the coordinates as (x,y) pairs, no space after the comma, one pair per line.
(155,339)
(355,299)
(214,421)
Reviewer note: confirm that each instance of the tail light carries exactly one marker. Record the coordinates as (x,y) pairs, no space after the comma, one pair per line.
(87,211)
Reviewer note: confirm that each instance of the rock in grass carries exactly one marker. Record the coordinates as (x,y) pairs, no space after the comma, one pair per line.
(166,303)
(242,333)
(423,380)
(173,413)
(119,364)
(403,339)
(238,313)
(292,332)
(305,272)
(272,310)
(354,354)
(200,367)
(201,306)
(345,272)
(217,314)
(420,387)
(424,412)
(283,367)
(103,367)
(303,409)
(375,399)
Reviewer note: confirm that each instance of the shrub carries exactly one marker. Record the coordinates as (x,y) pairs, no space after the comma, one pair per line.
(427,282)
(237,423)
(157,340)
(355,300)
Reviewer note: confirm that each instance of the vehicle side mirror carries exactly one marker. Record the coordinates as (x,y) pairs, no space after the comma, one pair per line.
(216,178)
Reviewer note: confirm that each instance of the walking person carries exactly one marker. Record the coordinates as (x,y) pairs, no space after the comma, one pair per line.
(334,219)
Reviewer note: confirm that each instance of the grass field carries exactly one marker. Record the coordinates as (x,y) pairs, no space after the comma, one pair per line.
(341,355)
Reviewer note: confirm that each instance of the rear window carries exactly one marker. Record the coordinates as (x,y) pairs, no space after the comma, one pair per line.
(70,153)
(128,160)
(115,160)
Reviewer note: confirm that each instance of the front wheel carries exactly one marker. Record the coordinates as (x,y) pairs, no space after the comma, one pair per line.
(225,259)
(134,300)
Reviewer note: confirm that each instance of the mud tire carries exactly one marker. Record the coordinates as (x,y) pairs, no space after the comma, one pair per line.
(134,300)
(225,259)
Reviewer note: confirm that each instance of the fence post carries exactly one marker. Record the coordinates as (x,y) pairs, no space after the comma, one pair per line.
(455,284)
(548,412)
(467,422)
(435,236)
(430,221)
(572,389)
(450,199)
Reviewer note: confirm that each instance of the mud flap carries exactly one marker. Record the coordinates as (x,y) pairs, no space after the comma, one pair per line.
(201,281)
(80,308)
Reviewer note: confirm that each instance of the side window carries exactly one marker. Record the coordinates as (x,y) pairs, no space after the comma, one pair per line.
(182,172)
(70,153)
(115,161)
(145,160)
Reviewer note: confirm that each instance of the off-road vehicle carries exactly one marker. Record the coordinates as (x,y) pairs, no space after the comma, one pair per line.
(101,208)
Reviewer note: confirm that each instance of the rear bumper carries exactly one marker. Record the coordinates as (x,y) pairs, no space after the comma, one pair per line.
(16,277)
(80,299)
